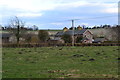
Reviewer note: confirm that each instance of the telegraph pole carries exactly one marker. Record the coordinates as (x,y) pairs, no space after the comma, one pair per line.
(73,40)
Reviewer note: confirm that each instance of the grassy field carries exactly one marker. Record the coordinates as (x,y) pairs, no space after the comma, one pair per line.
(61,62)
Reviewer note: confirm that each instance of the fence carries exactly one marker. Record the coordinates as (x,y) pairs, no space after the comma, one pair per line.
(29,45)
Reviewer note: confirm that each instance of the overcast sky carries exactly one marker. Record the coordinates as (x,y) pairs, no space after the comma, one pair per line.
(55,14)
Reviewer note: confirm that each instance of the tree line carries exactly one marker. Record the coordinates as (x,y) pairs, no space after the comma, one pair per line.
(95,27)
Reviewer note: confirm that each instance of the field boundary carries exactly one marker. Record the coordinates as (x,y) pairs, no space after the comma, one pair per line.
(57,45)
(60,79)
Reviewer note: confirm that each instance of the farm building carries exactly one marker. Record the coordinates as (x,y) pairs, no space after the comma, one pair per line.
(87,36)
(6,37)
(9,38)
(99,40)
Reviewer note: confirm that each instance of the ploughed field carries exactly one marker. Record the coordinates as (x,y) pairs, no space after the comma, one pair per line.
(61,62)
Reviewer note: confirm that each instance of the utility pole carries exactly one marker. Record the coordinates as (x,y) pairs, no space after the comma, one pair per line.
(73,40)
(18,32)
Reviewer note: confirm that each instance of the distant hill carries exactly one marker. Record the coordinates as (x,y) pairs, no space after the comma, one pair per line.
(109,33)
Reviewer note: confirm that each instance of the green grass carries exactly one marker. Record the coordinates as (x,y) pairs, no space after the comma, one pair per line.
(57,62)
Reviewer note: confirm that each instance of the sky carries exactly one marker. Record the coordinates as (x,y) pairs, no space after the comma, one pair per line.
(57,14)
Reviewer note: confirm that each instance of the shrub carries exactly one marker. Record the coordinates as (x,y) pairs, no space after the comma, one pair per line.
(67,38)
(43,35)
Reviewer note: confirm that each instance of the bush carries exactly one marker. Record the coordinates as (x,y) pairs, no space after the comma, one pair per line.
(67,38)
(34,39)
(43,35)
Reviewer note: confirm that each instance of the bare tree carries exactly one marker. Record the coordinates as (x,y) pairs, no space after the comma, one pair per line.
(17,28)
